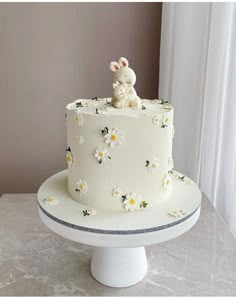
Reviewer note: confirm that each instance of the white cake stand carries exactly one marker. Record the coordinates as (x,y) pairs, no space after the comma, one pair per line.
(119,238)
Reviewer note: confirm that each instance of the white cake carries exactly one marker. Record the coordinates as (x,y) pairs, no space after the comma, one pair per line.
(135,154)
(119,150)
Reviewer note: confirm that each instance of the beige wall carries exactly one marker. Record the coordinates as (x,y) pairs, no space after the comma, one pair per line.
(51,54)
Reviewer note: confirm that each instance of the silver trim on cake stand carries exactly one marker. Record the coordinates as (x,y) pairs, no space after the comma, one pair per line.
(119,238)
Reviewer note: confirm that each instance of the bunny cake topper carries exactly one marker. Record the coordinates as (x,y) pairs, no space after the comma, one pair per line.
(124,78)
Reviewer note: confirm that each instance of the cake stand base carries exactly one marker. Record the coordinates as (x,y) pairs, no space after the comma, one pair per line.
(119,267)
(119,258)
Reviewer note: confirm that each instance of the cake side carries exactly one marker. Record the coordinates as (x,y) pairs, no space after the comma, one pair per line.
(119,159)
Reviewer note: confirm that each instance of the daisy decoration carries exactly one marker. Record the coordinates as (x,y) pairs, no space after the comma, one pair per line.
(81,187)
(117,193)
(132,202)
(166,181)
(114,137)
(102,155)
(152,165)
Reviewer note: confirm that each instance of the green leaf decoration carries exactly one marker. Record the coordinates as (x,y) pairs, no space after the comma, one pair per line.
(77,190)
(97,111)
(109,157)
(163,101)
(170,171)
(104,131)
(163,126)
(100,161)
(79,104)
(123,198)
(144,107)
(180,177)
(85,212)
(94,98)
(147,163)
(68,149)
(65,115)
(143,204)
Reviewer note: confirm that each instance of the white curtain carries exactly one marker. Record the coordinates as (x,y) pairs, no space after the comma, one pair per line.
(198,76)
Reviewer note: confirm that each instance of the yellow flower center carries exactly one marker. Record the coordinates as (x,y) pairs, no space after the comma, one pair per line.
(82,186)
(50,199)
(117,193)
(114,137)
(132,201)
(154,165)
(101,154)
(68,158)
(168,181)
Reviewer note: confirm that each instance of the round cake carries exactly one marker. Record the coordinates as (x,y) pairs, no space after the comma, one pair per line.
(119,150)
(119,159)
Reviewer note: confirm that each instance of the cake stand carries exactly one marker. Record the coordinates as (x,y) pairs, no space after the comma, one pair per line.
(119,238)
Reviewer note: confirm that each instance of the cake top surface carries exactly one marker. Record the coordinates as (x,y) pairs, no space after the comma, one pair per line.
(104,106)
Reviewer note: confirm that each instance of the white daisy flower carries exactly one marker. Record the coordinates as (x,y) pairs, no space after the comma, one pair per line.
(50,201)
(165,121)
(98,111)
(89,212)
(79,119)
(92,212)
(156,120)
(114,137)
(152,165)
(176,213)
(81,187)
(170,163)
(102,154)
(80,139)
(69,157)
(132,202)
(167,181)
(107,100)
(117,193)
(166,106)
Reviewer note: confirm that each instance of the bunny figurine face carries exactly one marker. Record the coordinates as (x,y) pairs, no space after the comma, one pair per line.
(123,75)
(124,78)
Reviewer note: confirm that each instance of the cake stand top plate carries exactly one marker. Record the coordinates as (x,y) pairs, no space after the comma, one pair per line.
(118,228)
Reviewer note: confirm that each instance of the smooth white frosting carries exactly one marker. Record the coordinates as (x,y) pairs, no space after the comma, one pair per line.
(144,140)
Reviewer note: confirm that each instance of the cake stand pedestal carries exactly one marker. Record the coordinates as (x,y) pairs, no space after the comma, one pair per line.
(119,267)
(119,257)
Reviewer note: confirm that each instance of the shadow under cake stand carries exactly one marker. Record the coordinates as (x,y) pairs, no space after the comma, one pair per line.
(119,257)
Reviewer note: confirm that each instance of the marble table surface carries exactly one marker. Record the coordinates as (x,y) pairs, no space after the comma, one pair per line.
(36,262)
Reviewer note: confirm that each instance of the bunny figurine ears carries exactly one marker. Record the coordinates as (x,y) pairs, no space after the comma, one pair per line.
(123,62)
